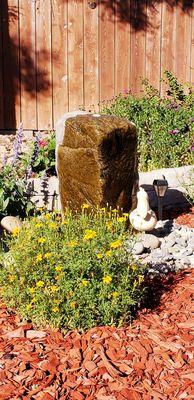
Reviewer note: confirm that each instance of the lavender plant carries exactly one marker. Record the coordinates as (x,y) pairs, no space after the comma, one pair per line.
(15,198)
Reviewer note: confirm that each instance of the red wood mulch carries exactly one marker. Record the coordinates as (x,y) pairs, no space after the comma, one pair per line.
(186,218)
(152,359)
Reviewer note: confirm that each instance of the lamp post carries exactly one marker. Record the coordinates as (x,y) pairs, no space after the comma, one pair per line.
(160,186)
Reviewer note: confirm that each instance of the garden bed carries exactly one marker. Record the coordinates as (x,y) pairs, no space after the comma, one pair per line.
(152,358)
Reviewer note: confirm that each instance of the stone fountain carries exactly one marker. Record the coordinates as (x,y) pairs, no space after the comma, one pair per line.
(97,161)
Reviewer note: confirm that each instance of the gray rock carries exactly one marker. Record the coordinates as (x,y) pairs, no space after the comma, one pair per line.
(191,259)
(189,251)
(185,261)
(150,241)
(170,242)
(138,248)
(181,241)
(10,223)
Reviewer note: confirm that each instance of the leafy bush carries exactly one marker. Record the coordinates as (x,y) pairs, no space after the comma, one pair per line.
(14,192)
(14,195)
(45,160)
(41,157)
(165,125)
(73,273)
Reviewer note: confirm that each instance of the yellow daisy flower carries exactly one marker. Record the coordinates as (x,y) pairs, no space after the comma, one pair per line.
(31,290)
(89,234)
(55,309)
(54,288)
(121,219)
(48,255)
(107,279)
(64,222)
(12,278)
(39,283)
(73,304)
(108,253)
(58,268)
(15,232)
(28,307)
(116,244)
(47,216)
(99,256)
(72,243)
(39,257)
(115,294)
(85,282)
(85,206)
(52,225)
(39,225)
(41,240)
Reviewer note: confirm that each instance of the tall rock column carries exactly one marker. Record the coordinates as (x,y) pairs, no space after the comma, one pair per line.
(97,162)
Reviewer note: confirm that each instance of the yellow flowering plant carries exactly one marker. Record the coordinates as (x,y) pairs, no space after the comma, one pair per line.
(79,276)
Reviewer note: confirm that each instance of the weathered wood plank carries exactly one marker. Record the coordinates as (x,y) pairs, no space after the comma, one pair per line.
(168,41)
(1,71)
(192,49)
(138,50)
(11,72)
(43,62)
(28,63)
(106,53)
(59,59)
(153,41)
(122,52)
(91,66)
(75,54)
(183,44)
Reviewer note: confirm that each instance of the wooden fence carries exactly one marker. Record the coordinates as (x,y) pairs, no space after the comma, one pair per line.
(60,55)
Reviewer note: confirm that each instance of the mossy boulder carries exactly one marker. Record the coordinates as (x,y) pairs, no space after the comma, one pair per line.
(97,162)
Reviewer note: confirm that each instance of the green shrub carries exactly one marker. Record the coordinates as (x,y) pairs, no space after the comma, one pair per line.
(165,125)
(73,273)
(14,195)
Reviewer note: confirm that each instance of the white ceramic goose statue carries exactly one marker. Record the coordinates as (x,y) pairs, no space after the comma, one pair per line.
(143,218)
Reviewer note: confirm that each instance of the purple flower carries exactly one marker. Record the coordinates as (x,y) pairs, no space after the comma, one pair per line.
(192,148)
(4,160)
(34,155)
(17,145)
(173,105)
(126,91)
(173,131)
(191,120)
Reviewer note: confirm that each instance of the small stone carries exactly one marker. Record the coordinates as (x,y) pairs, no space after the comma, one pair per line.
(191,259)
(138,248)
(185,261)
(150,241)
(189,251)
(170,242)
(181,241)
(10,223)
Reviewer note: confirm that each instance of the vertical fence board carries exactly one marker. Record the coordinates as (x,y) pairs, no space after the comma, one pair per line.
(183,38)
(192,49)
(43,64)
(122,53)
(59,58)
(75,54)
(1,71)
(28,64)
(153,39)
(11,72)
(168,42)
(106,53)
(138,50)
(91,70)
